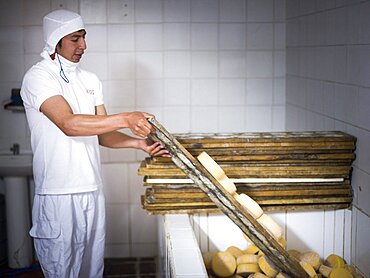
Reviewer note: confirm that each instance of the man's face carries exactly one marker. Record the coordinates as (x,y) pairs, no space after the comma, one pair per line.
(73,46)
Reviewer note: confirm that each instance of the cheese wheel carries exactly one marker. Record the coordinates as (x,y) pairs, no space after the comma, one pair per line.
(309,269)
(247,259)
(213,168)
(282,242)
(295,254)
(259,275)
(245,269)
(270,225)
(312,258)
(228,185)
(250,205)
(334,261)
(251,249)
(267,267)
(350,268)
(325,270)
(207,258)
(223,264)
(282,275)
(260,253)
(340,273)
(235,251)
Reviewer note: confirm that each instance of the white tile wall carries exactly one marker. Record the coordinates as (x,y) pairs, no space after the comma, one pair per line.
(204,11)
(232,36)
(177,10)
(199,66)
(120,38)
(120,11)
(176,36)
(171,63)
(328,89)
(93,11)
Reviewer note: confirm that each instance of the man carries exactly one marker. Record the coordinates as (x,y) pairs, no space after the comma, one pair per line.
(68,121)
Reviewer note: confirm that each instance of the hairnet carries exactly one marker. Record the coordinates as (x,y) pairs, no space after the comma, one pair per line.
(58,24)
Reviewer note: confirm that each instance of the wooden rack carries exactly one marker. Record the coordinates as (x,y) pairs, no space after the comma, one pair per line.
(281,171)
(227,203)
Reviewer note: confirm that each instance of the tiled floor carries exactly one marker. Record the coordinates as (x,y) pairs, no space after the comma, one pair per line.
(114,268)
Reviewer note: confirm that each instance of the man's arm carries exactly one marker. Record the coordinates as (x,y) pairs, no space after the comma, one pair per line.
(57,109)
(115,139)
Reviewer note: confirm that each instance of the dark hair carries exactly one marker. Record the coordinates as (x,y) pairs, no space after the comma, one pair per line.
(60,43)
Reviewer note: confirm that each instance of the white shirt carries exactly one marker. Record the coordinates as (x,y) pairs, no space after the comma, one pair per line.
(62,164)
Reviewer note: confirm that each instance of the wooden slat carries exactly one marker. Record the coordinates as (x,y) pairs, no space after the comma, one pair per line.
(227,203)
(150,180)
(274,145)
(192,210)
(263,192)
(265,137)
(250,170)
(310,140)
(155,208)
(324,158)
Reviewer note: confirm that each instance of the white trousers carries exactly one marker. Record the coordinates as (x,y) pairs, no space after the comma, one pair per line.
(69,234)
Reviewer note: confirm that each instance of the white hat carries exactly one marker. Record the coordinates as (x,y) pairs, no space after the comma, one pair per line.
(58,24)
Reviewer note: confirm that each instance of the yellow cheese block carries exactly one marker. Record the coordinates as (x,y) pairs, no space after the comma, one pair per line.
(271,226)
(213,168)
(334,261)
(250,205)
(245,269)
(267,267)
(309,269)
(340,273)
(247,259)
(235,251)
(223,264)
(325,270)
(207,258)
(251,249)
(312,258)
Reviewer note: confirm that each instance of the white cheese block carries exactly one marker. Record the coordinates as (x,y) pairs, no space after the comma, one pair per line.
(271,226)
(250,205)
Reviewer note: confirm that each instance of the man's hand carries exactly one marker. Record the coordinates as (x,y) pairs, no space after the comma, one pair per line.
(138,123)
(153,149)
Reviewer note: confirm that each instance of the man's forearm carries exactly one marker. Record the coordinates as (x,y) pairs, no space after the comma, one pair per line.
(116,139)
(88,125)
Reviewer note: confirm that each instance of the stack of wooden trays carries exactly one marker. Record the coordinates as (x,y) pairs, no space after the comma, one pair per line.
(281,171)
